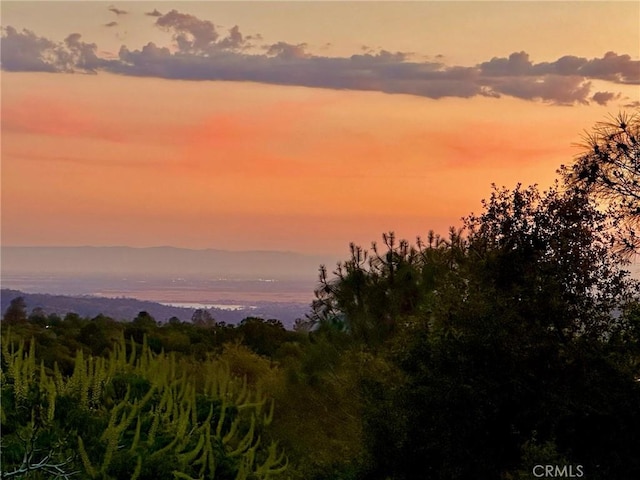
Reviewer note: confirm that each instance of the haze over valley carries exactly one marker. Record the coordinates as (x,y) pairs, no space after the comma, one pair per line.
(231,284)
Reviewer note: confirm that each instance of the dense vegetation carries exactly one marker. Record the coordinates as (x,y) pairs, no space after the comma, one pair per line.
(511,343)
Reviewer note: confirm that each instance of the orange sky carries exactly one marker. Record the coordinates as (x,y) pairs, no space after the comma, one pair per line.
(110,159)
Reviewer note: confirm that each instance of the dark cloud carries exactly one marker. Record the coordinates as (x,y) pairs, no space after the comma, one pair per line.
(561,90)
(287,64)
(192,35)
(611,67)
(117,11)
(382,57)
(83,55)
(602,98)
(200,37)
(154,13)
(151,61)
(111,24)
(25,51)
(203,53)
(567,65)
(288,51)
(235,40)
(517,64)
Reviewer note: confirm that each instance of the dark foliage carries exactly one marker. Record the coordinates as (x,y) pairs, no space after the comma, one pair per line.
(608,169)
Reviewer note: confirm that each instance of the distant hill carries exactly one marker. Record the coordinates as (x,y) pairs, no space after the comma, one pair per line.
(160,261)
(127,308)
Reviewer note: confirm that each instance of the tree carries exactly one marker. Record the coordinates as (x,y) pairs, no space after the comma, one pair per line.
(16,311)
(373,290)
(203,318)
(264,337)
(504,336)
(93,336)
(38,316)
(550,254)
(609,171)
(144,320)
(544,300)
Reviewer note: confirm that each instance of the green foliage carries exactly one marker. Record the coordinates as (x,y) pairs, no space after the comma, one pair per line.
(372,290)
(519,326)
(318,420)
(263,337)
(133,415)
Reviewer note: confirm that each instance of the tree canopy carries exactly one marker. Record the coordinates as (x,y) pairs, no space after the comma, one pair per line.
(505,336)
(609,170)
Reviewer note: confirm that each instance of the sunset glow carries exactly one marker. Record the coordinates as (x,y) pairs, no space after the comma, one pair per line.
(105,158)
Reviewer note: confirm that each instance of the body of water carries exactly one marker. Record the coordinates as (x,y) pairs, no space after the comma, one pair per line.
(226,293)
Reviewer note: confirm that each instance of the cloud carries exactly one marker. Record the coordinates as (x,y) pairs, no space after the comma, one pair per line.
(117,11)
(561,90)
(255,36)
(235,40)
(201,52)
(26,52)
(602,98)
(611,67)
(288,51)
(517,64)
(200,37)
(154,13)
(192,35)
(83,55)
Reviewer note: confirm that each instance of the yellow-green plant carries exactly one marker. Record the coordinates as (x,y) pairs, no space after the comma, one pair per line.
(208,426)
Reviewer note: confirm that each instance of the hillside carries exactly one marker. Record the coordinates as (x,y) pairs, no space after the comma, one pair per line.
(128,308)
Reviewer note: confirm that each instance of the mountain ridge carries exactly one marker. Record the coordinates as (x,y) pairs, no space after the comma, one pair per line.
(160,260)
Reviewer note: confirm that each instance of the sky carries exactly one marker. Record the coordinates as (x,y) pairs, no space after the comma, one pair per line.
(299,126)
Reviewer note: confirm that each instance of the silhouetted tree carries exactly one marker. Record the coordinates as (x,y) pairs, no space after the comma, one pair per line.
(503,336)
(144,320)
(38,316)
(372,290)
(143,324)
(16,311)
(93,336)
(203,318)
(551,254)
(264,337)
(609,170)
